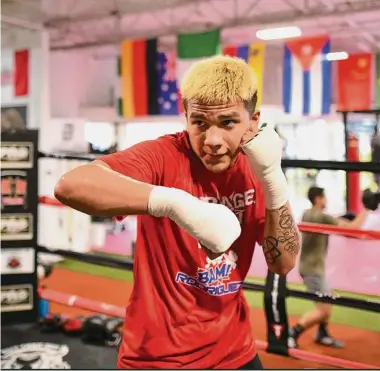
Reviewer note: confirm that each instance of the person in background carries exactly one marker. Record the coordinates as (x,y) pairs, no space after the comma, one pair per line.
(312,268)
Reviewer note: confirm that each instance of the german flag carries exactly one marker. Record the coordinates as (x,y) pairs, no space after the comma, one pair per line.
(137,71)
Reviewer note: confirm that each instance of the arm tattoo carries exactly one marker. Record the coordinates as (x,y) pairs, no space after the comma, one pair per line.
(286,236)
(287,231)
(271,251)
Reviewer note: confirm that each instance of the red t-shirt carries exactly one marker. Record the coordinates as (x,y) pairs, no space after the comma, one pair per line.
(186,311)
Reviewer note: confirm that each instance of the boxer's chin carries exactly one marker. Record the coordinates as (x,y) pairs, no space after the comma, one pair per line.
(217,165)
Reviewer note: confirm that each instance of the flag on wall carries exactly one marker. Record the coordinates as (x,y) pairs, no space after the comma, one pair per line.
(355,82)
(254,55)
(168,97)
(307,76)
(14,73)
(137,85)
(194,47)
(377,82)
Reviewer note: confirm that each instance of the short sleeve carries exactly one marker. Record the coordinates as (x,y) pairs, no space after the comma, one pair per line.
(328,219)
(143,162)
(260,213)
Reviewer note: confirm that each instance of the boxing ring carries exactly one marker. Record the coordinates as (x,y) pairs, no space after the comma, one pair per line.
(71,293)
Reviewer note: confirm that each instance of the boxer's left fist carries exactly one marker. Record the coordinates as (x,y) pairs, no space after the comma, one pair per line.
(264,149)
(264,152)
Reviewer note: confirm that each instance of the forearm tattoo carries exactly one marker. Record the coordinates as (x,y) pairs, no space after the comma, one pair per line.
(285,238)
(270,248)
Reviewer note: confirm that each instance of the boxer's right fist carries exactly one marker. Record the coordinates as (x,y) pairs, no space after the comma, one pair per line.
(214,225)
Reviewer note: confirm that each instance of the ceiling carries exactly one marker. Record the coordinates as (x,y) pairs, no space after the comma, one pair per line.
(353,25)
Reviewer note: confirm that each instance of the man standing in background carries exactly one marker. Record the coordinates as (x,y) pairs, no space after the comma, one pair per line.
(312,268)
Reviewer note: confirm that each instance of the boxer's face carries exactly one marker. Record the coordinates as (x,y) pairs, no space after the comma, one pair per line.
(216,131)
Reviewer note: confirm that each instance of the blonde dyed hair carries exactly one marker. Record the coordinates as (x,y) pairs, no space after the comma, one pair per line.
(220,80)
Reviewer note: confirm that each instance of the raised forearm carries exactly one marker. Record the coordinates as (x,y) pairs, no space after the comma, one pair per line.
(97,190)
(281,240)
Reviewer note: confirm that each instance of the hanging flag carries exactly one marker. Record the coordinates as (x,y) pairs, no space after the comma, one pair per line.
(194,47)
(307,76)
(14,74)
(355,82)
(254,55)
(377,81)
(137,71)
(168,97)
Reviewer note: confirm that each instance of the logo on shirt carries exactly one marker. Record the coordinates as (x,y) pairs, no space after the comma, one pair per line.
(236,202)
(214,278)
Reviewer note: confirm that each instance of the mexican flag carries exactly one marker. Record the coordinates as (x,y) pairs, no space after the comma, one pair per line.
(194,47)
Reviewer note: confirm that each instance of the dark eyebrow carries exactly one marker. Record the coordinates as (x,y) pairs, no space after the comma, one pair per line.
(197,116)
(221,117)
(229,116)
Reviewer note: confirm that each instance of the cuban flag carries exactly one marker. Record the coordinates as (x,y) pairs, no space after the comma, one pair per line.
(307,76)
(169,100)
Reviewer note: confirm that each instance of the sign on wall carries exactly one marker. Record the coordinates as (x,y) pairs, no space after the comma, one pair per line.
(19,201)
(18,260)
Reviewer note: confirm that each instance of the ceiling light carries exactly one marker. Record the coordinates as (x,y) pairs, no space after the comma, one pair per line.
(336,56)
(278,33)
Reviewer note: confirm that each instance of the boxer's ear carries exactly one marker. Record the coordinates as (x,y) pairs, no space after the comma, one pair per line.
(254,121)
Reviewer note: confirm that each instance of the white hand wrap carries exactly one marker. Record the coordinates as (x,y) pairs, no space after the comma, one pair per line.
(213,225)
(264,153)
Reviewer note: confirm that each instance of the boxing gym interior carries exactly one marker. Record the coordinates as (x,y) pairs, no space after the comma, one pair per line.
(84,79)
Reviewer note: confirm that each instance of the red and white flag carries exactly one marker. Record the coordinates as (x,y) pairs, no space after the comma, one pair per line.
(14,74)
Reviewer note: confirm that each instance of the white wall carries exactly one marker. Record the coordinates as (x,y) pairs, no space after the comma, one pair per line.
(82,78)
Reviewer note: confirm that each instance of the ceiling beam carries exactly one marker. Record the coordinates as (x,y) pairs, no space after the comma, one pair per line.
(269,19)
(62,20)
(361,30)
(21,23)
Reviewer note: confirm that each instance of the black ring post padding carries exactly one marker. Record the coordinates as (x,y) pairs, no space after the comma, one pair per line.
(276,314)
(373,167)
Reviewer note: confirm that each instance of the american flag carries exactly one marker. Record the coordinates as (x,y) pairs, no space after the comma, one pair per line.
(167,84)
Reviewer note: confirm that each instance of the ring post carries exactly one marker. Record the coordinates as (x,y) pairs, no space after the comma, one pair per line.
(276,314)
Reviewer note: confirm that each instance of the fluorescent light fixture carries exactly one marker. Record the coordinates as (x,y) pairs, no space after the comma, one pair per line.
(336,56)
(278,33)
